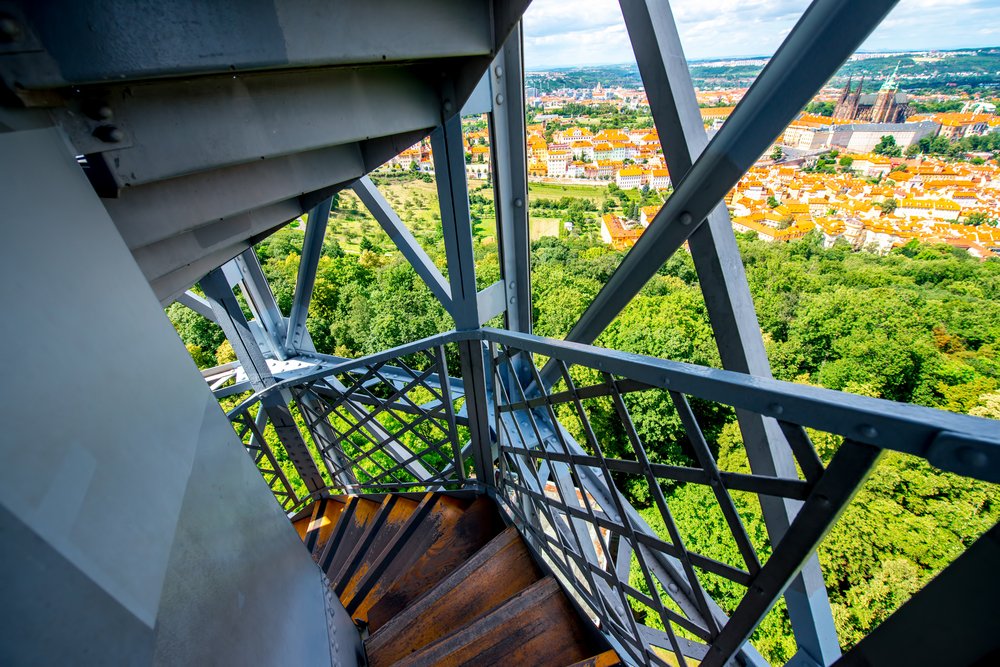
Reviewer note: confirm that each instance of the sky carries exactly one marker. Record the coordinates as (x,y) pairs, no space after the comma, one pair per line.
(563,33)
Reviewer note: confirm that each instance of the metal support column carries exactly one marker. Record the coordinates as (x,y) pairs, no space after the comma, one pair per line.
(510,175)
(453,195)
(312,248)
(234,324)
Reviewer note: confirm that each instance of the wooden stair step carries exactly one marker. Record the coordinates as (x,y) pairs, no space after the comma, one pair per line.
(607,659)
(349,529)
(316,528)
(495,574)
(379,533)
(426,524)
(464,530)
(538,626)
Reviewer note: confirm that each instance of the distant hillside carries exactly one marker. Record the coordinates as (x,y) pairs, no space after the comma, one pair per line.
(919,71)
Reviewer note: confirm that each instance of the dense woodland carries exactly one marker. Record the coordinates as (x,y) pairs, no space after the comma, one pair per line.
(921,325)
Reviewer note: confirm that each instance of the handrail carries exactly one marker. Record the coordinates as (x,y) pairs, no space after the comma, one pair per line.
(963,444)
(958,443)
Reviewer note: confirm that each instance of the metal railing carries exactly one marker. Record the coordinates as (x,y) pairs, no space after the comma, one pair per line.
(387,422)
(392,422)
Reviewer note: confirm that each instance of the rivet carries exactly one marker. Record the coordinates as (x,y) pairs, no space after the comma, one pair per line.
(513,299)
(776,408)
(685,218)
(868,431)
(499,98)
(498,71)
(9,29)
(109,134)
(823,501)
(972,457)
(672,587)
(98,111)
(666,381)
(519,202)
(447,106)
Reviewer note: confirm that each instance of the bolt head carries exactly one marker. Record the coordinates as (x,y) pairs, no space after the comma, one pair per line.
(972,457)
(499,98)
(109,134)
(498,71)
(685,218)
(868,431)
(519,202)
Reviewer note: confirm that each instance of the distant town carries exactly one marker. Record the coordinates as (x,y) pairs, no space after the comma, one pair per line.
(867,162)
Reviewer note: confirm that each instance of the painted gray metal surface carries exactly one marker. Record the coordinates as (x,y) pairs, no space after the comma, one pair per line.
(405,242)
(110,490)
(67,42)
(312,248)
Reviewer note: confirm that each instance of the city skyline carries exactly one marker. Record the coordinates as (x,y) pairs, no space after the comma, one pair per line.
(565,33)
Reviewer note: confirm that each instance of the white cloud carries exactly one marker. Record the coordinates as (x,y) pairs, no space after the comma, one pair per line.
(582,32)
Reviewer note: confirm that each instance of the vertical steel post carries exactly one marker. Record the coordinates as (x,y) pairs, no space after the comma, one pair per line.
(312,248)
(449,167)
(510,176)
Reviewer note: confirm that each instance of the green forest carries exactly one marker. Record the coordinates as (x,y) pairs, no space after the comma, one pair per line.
(920,325)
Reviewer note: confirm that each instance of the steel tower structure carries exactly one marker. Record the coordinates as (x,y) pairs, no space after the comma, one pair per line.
(145,148)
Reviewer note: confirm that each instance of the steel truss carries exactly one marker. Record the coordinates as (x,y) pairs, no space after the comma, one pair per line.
(471,409)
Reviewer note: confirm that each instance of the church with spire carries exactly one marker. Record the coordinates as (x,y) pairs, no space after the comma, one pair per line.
(888,105)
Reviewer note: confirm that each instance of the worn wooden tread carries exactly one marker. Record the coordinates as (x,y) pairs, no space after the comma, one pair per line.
(463,531)
(493,575)
(438,580)
(537,626)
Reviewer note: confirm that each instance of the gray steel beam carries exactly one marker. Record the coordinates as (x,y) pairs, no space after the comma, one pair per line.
(510,176)
(312,249)
(234,324)
(74,43)
(174,282)
(950,621)
(175,263)
(179,252)
(492,301)
(786,84)
(176,128)
(261,301)
(404,240)
(847,471)
(449,167)
(147,214)
(453,196)
(198,304)
(674,107)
